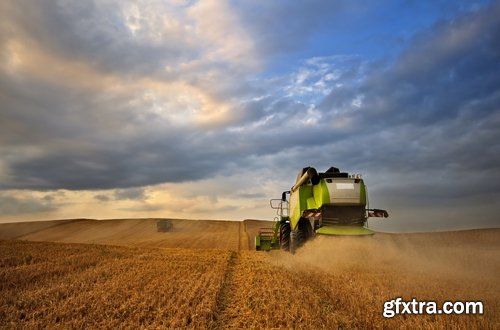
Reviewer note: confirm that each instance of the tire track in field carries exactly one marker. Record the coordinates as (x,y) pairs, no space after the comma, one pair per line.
(226,295)
(243,238)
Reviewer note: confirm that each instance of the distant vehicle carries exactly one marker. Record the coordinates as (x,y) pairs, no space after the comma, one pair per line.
(164,225)
(328,203)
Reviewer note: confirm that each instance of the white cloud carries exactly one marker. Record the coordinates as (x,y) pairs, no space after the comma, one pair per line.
(223,36)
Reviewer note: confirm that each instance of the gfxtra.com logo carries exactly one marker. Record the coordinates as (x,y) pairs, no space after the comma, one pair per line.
(399,306)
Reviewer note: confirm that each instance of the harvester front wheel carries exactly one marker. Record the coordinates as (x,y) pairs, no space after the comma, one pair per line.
(285,236)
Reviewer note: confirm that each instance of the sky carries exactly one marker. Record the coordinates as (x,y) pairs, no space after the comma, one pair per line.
(207,109)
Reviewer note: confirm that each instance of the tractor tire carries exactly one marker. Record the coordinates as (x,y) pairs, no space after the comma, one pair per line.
(285,236)
(293,241)
(297,239)
(306,231)
(299,236)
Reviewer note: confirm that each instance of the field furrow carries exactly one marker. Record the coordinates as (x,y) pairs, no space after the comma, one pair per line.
(226,295)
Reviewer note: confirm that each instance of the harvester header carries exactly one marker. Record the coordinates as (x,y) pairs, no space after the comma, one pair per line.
(325,203)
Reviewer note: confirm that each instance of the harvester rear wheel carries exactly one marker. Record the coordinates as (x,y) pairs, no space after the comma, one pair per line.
(297,238)
(300,235)
(285,236)
(293,241)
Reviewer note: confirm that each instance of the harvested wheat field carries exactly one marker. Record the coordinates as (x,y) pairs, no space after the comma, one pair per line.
(204,275)
(131,232)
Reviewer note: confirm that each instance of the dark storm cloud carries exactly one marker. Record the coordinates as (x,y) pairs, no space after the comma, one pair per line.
(113,166)
(67,139)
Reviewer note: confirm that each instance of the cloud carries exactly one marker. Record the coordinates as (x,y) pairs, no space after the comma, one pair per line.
(131,193)
(102,198)
(83,87)
(116,98)
(143,207)
(10,205)
(428,121)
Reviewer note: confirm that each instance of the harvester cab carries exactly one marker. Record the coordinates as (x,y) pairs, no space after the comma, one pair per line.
(328,203)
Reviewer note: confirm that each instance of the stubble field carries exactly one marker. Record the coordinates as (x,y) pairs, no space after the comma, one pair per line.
(205,275)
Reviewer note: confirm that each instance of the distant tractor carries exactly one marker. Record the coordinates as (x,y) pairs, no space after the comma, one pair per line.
(164,225)
(328,203)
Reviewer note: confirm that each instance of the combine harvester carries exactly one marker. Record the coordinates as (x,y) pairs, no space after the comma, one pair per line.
(329,203)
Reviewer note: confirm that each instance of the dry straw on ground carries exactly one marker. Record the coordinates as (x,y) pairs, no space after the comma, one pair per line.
(329,283)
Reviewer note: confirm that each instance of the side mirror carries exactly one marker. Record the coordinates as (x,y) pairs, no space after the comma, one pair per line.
(283,195)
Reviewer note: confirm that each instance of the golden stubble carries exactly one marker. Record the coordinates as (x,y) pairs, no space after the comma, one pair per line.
(330,282)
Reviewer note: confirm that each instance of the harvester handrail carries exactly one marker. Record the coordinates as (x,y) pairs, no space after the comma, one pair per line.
(275,199)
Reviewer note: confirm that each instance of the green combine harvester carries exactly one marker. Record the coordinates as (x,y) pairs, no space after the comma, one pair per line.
(329,203)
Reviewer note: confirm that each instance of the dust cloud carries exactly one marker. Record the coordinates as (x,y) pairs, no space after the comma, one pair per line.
(472,255)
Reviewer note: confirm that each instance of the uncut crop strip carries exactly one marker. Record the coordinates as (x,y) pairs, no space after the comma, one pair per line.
(108,286)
